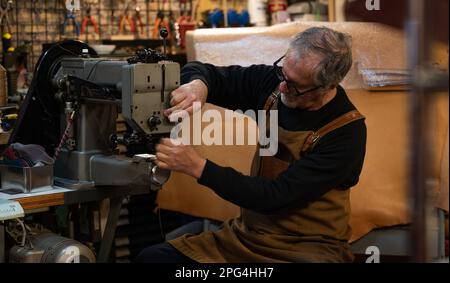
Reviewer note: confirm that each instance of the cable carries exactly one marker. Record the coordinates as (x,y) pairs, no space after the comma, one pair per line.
(94,67)
(15,234)
(24,232)
(64,136)
(12,233)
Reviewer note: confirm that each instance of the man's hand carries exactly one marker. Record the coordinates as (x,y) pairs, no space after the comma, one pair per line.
(181,158)
(183,97)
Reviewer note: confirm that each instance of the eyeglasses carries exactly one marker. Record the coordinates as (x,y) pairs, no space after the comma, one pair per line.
(289,84)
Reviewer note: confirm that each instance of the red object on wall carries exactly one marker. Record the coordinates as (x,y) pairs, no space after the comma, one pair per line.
(277,5)
(185,23)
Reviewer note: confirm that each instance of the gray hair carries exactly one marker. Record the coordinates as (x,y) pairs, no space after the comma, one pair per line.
(335,49)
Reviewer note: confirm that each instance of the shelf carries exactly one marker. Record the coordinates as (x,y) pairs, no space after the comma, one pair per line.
(147,43)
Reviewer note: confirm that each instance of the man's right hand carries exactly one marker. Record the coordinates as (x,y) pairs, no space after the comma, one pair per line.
(183,98)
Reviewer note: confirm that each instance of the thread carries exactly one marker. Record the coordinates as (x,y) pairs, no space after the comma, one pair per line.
(65,136)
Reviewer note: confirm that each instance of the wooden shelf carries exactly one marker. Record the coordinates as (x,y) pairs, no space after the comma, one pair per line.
(40,201)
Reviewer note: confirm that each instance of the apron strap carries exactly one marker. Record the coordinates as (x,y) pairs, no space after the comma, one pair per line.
(271,100)
(341,121)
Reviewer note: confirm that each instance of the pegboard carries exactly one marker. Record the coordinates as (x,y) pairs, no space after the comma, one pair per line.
(34,22)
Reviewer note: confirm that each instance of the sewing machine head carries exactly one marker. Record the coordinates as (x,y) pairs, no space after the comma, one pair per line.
(73,104)
(141,88)
(145,95)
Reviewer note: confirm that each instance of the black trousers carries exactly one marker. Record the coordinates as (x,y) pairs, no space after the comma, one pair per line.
(162,253)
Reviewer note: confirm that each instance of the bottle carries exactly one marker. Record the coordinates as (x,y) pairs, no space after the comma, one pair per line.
(258,12)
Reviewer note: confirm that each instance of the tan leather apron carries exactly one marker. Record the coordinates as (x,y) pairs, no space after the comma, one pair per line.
(317,232)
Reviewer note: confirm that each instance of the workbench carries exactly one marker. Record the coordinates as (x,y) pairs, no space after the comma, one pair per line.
(61,196)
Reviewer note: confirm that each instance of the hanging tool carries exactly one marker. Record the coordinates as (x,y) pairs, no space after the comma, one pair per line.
(6,45)
(126,18)
(99,17)
(88,19)
(147,15)
(137,21)
(172,23)
(9,62)
(24,59)
(182,9)
(5,7)
(36,12)
(182,4)
(172,19)
(184,23)
(71,6)
(160,22)
(111,20)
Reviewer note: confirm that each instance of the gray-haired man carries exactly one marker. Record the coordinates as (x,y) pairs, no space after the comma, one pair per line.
(296,209)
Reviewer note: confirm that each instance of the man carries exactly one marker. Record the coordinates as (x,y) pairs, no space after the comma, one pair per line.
(297,208)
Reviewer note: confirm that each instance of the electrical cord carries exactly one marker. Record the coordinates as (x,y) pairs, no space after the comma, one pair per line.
(15,234)
(24,232)
(64,136)
(94,67)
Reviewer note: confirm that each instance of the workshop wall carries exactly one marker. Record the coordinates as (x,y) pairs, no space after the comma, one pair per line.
(34,22)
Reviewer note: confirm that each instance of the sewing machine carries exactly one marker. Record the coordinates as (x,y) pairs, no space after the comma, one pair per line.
(72,107)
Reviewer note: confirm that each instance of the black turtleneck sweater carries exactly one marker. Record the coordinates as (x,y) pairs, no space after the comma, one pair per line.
(335,162)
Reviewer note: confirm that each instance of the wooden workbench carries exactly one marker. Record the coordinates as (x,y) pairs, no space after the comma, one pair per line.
(63,196)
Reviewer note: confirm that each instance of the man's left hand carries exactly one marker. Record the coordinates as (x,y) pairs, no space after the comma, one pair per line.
(181,158)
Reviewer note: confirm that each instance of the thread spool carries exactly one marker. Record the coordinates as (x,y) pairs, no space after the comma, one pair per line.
(257,11)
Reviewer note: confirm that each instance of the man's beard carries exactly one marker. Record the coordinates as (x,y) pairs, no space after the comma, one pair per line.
(299,102)
(287,100)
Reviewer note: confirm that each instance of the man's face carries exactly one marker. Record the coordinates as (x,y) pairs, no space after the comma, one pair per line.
(299,73)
